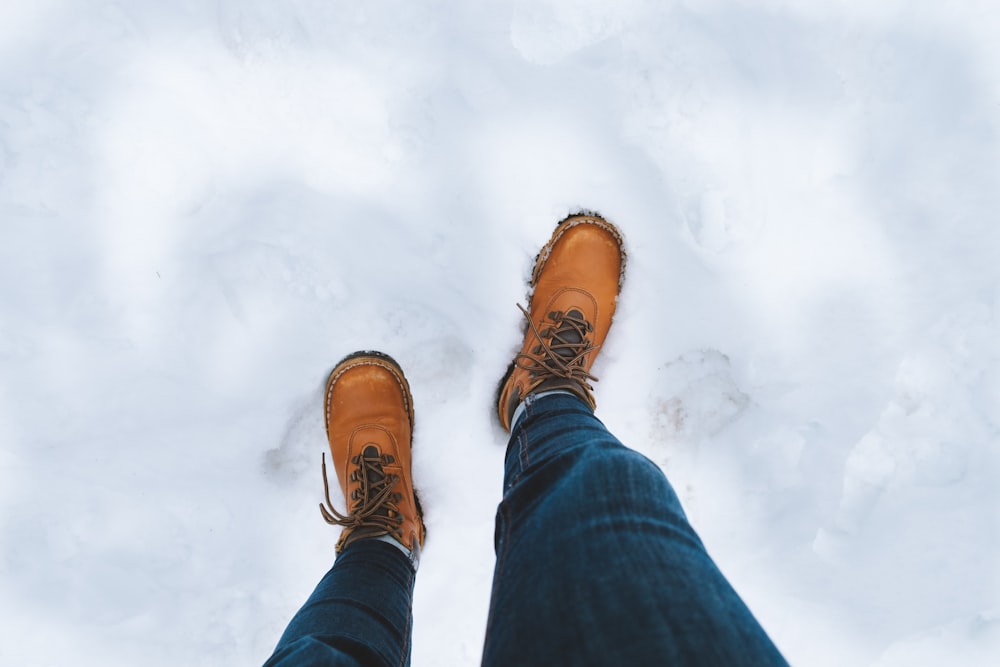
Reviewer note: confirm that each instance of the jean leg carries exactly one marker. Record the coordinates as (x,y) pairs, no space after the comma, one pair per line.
(359,615)
(596,561)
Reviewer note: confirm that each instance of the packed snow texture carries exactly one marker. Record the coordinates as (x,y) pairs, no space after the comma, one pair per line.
(204,205)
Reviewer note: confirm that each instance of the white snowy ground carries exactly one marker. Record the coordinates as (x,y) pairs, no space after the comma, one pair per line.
(204,205)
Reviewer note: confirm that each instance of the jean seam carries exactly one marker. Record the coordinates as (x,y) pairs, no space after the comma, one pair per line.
(522,454)
(405,653)
(502,551)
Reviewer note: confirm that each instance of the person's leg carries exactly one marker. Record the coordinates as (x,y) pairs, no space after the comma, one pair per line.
(360,613)
(596,562)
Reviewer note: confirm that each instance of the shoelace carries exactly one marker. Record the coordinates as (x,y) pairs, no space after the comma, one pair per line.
(563,347)
(372,506)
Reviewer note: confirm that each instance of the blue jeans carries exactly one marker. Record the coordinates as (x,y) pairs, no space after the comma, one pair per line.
(596,565)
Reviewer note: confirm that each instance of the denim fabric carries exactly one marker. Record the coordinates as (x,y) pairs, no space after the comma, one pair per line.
(596,565)
(596,562)
(359,614)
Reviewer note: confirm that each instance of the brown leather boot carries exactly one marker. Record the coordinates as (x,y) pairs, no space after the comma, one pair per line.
(369,423)
(576,281)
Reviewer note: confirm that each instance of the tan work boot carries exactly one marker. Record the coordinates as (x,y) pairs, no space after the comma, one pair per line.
(576,281)
(369,423)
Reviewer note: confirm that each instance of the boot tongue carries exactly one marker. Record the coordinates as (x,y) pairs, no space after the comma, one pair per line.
(375,473)
(569,334)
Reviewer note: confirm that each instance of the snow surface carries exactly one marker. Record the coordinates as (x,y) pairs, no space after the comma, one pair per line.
(204,205)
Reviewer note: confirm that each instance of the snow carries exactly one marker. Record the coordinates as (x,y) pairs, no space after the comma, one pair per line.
(203,206)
